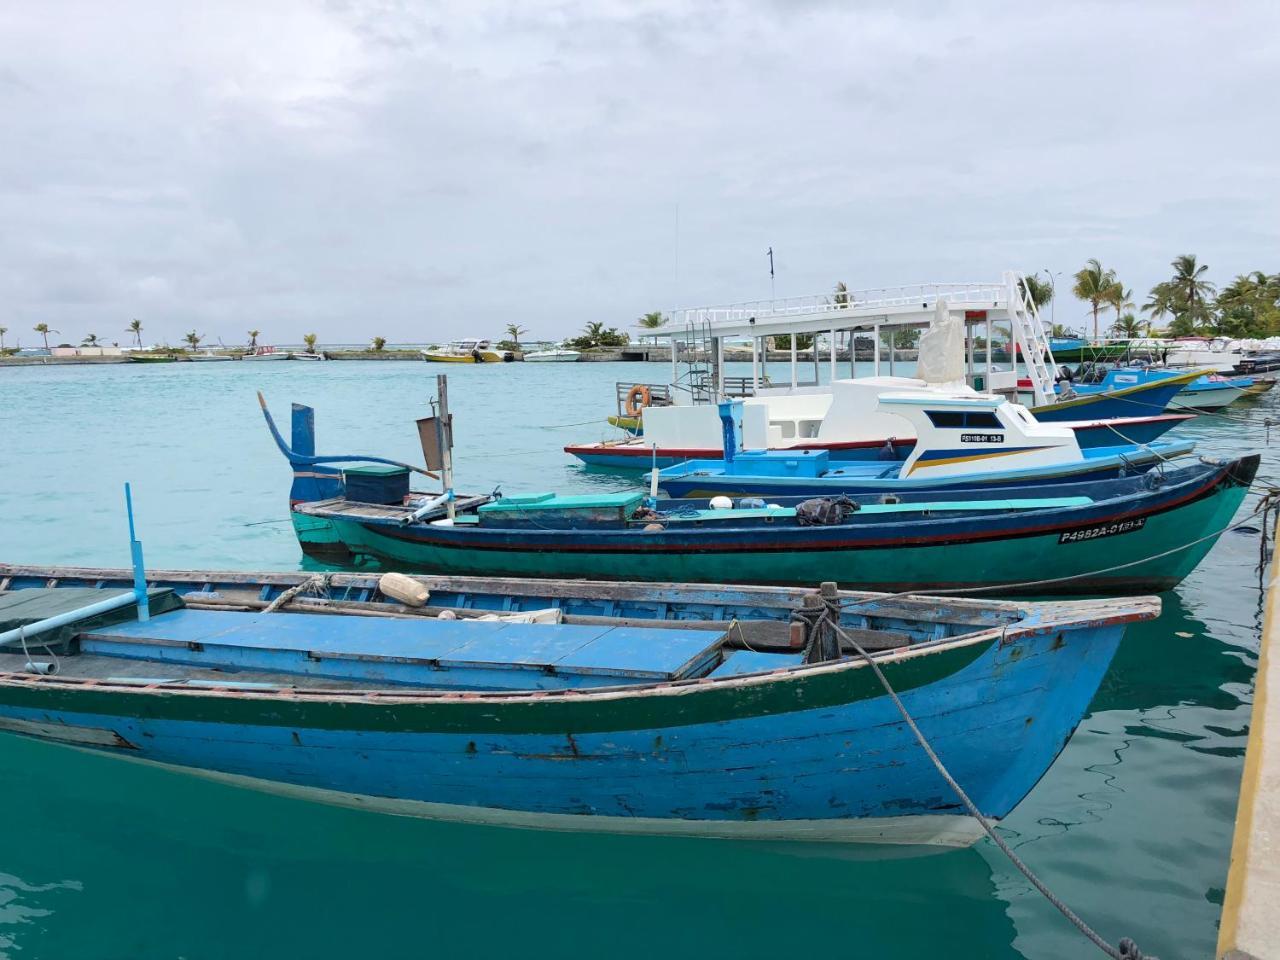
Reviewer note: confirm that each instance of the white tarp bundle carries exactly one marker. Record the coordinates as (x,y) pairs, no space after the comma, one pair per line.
(941,359)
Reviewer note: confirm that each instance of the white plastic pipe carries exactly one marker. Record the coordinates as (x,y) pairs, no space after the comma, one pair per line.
(71,616)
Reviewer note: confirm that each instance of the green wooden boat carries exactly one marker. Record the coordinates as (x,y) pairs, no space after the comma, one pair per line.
(1127,535)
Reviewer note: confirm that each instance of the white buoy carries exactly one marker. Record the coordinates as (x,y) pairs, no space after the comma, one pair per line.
(721,503)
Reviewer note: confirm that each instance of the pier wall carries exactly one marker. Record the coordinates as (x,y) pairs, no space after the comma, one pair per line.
(1250,927)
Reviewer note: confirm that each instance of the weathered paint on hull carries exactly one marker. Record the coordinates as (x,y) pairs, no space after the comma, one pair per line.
(905,565)
(822,755)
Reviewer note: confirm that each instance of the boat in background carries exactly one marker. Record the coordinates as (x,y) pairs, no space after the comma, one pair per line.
(1078,349)
(1208,391)
(963,442)
(845,421)
(612,726)
(1136,534)
(266,353)
(553,355)
(307,356)
(152,358)
(208,356)
(468,351)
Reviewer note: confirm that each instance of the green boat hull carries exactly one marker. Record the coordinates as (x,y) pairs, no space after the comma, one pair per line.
(1115,563)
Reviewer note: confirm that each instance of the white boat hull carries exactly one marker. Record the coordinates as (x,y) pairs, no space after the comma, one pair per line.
(552,356)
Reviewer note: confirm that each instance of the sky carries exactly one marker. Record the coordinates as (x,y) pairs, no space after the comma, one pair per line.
(425,171)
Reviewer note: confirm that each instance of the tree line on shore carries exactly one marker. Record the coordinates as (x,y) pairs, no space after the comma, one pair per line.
(1249,306)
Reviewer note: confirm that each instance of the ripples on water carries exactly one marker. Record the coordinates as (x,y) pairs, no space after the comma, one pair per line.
(1132,825)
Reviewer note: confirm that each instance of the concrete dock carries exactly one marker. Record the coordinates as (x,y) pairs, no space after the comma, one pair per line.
(1250,928)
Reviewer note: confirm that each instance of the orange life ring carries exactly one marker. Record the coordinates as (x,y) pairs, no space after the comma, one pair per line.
(638,398)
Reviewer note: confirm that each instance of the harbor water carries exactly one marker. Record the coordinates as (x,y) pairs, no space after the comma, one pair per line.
(1131,826)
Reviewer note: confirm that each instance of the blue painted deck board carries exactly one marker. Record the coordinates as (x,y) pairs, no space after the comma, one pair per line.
(656,652)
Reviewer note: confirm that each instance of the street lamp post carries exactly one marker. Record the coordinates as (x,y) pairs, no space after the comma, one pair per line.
(1053,298)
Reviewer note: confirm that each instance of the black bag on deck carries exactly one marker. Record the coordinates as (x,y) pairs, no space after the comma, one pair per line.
(823,511)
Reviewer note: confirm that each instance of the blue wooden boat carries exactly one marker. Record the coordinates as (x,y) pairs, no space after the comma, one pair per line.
(963,441)
(659,726)
(1147,398)
(1128,535)
(1206,391)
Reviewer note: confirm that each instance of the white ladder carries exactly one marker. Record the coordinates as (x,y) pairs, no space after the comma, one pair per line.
(1028,331)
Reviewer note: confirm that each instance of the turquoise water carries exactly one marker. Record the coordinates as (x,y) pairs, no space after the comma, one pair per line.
(1132,825)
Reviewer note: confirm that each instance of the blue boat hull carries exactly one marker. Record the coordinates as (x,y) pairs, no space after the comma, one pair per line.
(1146,399)
(1090,436)
(848,772)
(710,480)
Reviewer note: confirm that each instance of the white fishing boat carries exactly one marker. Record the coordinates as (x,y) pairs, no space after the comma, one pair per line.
(468,351)
(208,356)
(553,355)
(308,356)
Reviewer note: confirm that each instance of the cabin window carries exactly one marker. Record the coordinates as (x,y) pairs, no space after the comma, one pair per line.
(786,429)
(810,428)
(950,419)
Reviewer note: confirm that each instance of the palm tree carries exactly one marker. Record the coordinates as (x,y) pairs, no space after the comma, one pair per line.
(1122,300)
(378,343)
(594,332)
(1159,303)
(310,340)
(515,332)
(1093,285)
(1127,326)
(1191,294)
(842,294)
(44,331)
(90,341)
(1039,291)
(653,320)
(3,331)
(135,327)
(253,338)
(193,339)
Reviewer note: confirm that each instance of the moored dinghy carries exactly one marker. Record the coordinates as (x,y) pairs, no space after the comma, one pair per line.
(627,727)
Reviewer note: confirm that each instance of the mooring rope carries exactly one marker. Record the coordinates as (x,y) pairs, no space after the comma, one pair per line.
(315,583)
(1127,949)
(1269,500)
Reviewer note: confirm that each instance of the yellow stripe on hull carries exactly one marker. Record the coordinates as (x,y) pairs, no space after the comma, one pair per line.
(947,461)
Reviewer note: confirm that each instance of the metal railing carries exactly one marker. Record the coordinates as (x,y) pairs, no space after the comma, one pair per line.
(851,304)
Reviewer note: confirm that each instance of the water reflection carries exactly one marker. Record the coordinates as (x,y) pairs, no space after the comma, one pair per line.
(169,864)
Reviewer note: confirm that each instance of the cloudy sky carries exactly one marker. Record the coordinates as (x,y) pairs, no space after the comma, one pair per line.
(419,171)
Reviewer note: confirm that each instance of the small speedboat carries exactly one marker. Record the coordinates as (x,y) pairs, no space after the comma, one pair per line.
(208,356)
(468,351)
(963,441)
(307,356)
(745,713)
(266,353)
(553,355)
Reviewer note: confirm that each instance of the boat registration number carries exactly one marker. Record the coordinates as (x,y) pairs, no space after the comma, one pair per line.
(982,438)
(1105,530)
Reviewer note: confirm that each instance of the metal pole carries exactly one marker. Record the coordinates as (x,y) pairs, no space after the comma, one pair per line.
(833,355)
(139,569)
(755,375)
(444,433)
(793,361)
